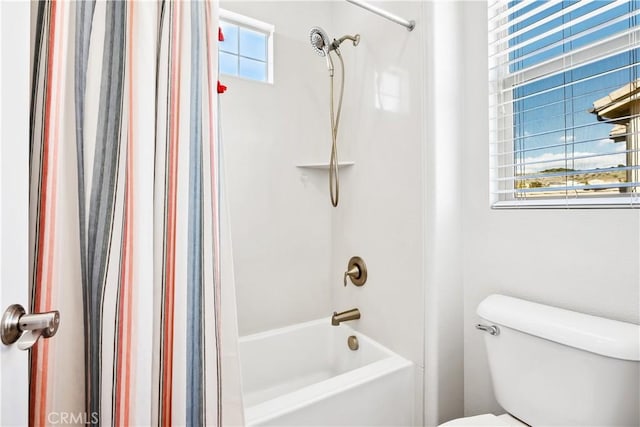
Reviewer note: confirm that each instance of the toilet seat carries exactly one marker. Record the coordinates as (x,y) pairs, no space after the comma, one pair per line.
(486,420)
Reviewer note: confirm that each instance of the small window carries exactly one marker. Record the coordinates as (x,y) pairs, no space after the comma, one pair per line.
(247,49)
(565,103)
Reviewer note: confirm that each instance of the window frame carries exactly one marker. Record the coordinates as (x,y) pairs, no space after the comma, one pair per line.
(502,82)
(252,24)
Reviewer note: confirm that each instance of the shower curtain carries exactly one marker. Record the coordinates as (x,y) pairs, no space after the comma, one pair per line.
(125,207)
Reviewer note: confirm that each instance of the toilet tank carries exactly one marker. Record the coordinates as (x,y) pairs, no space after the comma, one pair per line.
(556,367)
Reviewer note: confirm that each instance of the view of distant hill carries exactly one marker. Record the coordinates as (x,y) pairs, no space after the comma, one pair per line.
(574,179)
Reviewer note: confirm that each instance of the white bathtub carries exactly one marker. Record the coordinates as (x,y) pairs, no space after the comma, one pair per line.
(306,374)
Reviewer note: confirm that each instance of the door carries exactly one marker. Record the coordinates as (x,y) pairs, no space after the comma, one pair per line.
(14,200)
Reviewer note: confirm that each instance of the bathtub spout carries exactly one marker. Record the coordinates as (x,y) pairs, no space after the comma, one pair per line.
(338,318)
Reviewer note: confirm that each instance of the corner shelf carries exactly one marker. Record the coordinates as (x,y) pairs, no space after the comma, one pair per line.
(324,166)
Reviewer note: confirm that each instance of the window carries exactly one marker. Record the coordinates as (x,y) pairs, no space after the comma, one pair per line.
(247,49)
(565,103)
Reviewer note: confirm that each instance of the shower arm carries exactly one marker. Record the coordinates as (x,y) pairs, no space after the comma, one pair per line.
(336,43)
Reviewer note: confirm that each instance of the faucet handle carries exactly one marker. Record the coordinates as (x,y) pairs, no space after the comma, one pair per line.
(353,273)
(356,271)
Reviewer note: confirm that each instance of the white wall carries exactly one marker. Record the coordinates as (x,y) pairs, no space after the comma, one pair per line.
(381,211)
(279,214)
(584,260)
(444,380)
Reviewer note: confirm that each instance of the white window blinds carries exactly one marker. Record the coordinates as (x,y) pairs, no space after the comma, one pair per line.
(565,103)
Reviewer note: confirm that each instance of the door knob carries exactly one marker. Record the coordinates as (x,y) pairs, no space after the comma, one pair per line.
(25,329)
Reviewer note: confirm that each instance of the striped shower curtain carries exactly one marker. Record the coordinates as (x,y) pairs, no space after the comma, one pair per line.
(125,217)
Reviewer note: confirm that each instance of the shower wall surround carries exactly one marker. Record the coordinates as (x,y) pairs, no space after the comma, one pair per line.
(280,221)
(380,217)
(291,247)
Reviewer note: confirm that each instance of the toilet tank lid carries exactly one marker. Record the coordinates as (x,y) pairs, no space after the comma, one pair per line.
(598,335)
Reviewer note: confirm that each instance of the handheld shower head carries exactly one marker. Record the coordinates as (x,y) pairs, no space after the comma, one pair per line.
(320,43)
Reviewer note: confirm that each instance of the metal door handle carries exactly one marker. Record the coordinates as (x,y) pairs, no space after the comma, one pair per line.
(25,329)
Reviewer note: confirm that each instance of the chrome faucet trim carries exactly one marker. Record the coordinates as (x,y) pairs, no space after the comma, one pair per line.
(338,318)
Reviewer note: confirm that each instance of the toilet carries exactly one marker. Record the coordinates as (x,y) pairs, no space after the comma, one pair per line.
(556,367)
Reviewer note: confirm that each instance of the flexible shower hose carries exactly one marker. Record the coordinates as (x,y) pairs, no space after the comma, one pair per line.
(334,182)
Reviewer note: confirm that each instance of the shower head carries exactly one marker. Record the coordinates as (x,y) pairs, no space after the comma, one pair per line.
(319,41)
(321,44)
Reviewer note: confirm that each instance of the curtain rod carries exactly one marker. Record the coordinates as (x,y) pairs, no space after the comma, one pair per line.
(409,24)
